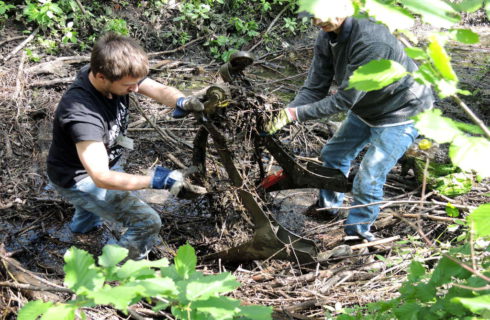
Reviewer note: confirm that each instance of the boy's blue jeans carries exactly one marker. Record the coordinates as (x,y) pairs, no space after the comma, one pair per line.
(387,145)
(92,204)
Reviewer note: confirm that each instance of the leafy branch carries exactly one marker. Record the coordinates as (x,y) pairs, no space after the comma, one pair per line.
(186,292)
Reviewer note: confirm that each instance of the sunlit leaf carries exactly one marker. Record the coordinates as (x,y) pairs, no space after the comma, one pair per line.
(33,309)
(141,268)
(451,210)
(394,17)
(416,53)
(185,261)
(471,153)
(426,75)
(219,308)
(479,221)
(120,297)
(207,286)
(60,312)
(81,274)
(487,9)
(431,124)
(435,12)
(476,304)
(327,9)
(446,88)
(155,286)
(465,36)
(440,58)
(467,5)
(470,128)
(376,75)
(112,255)
(257,312)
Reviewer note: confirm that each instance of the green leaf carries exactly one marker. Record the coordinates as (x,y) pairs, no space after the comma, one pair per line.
(256,312)
(440,58)
(467,5)
(206,286)
(435,12)
(81,274)
(120,297)
(376,75)
(445,270)
(185,261)
(33,309)
(417,271)
(112,255)
(487,9)
(219,308)
(394,17)
(135,269)
(431,124)
(451,210)
(416,53)
(468,127)
(155,286)
(477,304)
(465,36)
(324,10)
(407,311)
(479,220)
(471,153)
(60,312)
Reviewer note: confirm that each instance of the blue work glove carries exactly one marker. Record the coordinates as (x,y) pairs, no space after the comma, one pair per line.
(284,117)
(186,105)
(175,182)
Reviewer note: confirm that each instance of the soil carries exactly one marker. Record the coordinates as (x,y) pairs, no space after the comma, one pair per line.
(33,219)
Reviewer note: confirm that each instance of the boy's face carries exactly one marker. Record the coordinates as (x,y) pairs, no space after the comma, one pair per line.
(124,86)
(329,25)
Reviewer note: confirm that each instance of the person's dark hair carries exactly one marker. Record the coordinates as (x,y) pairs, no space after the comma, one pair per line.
(117,56)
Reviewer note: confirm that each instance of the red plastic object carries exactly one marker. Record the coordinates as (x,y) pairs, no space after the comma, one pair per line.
(272,179)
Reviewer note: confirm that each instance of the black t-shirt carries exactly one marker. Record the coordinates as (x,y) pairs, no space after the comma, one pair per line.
(84,114)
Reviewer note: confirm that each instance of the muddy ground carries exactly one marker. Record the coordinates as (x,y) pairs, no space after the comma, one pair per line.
(33,219)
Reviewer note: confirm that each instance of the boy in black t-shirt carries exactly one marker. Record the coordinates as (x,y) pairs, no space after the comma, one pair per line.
(89,135)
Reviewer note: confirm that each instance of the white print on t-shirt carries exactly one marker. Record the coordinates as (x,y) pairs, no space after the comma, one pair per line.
(120,127)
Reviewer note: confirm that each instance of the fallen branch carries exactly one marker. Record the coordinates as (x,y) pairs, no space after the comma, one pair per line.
(389,203)
(25,286)
(48,83)
(374,243)
(11,39)
(154,54)
(21,45)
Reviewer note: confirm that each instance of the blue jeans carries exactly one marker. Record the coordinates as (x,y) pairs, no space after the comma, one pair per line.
(92,204)
(387,145)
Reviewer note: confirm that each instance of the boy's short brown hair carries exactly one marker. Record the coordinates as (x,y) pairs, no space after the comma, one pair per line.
(117,56)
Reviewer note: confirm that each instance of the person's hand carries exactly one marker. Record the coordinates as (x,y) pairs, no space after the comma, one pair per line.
(284,117)
(186,105)
(175,181)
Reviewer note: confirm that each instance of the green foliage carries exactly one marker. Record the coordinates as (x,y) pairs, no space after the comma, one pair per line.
(376,74)
(4,8)
(433,295)
(188,293)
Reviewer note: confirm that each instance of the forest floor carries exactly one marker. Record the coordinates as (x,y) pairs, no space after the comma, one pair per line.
(33,219)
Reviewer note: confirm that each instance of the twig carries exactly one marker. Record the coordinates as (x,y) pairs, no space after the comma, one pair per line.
(81,7)
(472,115)
(392,203)
(154,54)
(53,82)
(374,243)
(11,39)
(270,27)
(165,134)
(21,45)
(25,286)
